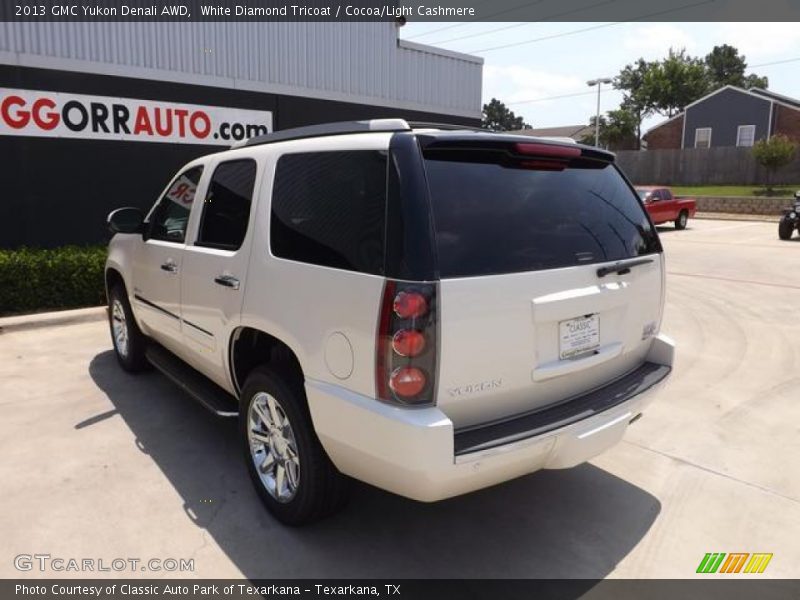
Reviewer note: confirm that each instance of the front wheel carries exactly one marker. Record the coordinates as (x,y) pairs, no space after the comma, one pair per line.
(785,228)
(682,220)
(129,342)
(293,476)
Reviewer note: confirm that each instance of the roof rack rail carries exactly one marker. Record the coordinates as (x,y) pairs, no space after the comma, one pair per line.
(327,129)
(446,126)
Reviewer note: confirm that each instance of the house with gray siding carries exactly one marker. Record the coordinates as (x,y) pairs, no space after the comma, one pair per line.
(729,116)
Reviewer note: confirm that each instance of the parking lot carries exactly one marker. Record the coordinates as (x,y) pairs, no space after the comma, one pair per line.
(100,464)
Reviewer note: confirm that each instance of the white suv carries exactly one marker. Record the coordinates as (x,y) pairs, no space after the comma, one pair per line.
(430,311)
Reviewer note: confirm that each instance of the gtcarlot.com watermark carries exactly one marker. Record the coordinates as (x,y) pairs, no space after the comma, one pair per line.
(46,563)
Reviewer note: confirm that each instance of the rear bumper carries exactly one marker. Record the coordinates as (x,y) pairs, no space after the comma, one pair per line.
(417,453)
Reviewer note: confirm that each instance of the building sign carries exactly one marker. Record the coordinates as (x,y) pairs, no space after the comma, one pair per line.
(55,114)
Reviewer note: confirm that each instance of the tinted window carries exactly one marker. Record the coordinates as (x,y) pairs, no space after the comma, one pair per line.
(492,219)
(328,208)
(226,210)
(169,218)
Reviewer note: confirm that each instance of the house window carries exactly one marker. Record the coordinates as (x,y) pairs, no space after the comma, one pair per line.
(702,137)
(746,135)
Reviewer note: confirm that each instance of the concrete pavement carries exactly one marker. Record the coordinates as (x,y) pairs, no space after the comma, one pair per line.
(100,464)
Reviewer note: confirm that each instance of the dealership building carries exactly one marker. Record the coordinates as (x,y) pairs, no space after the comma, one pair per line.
(95,116)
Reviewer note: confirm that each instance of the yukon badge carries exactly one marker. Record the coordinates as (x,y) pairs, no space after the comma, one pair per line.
(472,388)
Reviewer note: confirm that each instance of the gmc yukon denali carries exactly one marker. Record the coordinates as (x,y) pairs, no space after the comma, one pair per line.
(429,309)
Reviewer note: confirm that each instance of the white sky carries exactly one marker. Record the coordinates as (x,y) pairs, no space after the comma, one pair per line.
(577,52)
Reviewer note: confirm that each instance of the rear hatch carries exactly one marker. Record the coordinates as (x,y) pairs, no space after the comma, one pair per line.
(532,310)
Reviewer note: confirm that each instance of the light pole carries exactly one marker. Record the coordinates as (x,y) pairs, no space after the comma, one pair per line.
(599,83)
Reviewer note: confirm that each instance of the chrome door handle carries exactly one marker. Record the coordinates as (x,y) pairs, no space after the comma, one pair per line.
(169,267)
(227,281)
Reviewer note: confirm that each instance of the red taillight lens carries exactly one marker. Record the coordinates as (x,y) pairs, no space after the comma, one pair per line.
(408,342)
(407,381)
(408,305)
(405,347)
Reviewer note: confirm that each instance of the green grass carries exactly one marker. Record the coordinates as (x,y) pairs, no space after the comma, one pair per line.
(780,191)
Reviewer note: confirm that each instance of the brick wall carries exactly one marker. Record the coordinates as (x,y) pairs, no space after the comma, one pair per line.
(787,122)
(742,205)
(667,136)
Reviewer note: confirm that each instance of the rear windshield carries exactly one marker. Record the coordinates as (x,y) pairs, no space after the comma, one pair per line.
(494,219)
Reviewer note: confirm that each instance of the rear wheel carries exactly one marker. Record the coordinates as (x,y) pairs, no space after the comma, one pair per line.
(293,476)
(682,220)
(785,228)
(129,342)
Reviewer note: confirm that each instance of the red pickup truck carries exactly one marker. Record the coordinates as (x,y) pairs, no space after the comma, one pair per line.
(664,207)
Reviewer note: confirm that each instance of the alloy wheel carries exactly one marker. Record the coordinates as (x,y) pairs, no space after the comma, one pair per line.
(273,447)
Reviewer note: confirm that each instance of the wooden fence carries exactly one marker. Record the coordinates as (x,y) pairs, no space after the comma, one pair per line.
(701,166)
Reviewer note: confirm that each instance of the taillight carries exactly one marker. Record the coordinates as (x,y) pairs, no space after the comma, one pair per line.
(407,381)
(406,344)
(410,304)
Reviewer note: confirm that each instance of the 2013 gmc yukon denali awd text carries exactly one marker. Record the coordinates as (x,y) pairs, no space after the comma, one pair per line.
(429,310)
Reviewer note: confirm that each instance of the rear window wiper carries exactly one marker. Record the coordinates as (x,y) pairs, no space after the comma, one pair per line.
(622,268)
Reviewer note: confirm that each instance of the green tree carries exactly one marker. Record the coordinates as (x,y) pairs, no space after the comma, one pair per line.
(635,99)
(674,82)
(726,66)
(757,81)
(618,130)
(498,117)
(772,154)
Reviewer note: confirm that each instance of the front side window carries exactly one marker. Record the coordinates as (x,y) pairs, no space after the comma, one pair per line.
(329,209)
(170,216)
(226,210)
(746,135)
(702,137)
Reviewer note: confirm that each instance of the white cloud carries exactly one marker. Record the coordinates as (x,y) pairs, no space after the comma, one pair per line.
(761,41)
(654,41)
(514,83)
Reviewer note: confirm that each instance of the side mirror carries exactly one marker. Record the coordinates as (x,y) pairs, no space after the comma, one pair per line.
(126,220)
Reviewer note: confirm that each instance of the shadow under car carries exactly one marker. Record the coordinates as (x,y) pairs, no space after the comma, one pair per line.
(576,523)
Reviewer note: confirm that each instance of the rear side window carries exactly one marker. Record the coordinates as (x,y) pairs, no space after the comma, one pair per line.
(226,210)
(329,209)
(490,218)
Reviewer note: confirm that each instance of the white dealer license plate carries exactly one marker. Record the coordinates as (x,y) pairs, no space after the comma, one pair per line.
(578,336)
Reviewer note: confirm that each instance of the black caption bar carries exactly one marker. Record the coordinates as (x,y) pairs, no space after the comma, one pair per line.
(404,10)
(732,588)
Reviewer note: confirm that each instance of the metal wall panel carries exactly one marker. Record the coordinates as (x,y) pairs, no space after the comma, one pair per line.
(355,62)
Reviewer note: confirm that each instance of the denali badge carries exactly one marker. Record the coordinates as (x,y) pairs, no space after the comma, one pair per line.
(472,388)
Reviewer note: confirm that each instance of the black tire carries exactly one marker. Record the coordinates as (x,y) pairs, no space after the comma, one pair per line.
(131,357)
(785,228)
(682,220)
(321,489)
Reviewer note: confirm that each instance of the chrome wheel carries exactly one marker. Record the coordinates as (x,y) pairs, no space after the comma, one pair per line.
(119,326)
(273,447)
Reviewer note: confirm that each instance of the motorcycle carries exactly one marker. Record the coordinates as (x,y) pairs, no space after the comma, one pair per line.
(790,219)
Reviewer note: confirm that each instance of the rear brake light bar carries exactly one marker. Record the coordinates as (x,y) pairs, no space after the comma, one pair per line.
(547,150)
